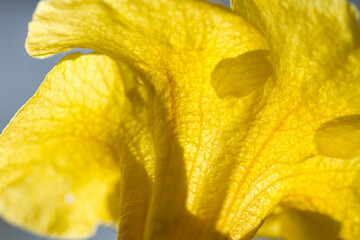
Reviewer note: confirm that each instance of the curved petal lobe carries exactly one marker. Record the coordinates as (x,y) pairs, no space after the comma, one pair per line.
(59,153)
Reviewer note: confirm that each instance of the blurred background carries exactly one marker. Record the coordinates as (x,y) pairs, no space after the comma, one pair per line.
(20,76)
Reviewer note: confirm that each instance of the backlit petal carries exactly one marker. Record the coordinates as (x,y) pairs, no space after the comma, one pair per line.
(315,100)
(218,131)
(59,168)
(175,45)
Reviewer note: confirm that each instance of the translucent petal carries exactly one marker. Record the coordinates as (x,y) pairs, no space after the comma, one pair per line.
(148,33)
(59,168)
(203,160)
(316,100)
(175,112)
(175,45)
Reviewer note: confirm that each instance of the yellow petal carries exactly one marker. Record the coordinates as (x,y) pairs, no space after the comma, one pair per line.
(176,46)
(330,195)
(322,204)
(323,31)
(221,165)
(144,32)
(312,110)
(60,154)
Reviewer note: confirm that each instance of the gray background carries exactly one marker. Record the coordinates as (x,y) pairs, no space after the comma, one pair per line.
(20,76)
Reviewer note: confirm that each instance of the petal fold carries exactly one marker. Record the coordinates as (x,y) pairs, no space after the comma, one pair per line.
(233,133)
(304,32)
(59,168)
(143,32)
(310,117)
(174,46)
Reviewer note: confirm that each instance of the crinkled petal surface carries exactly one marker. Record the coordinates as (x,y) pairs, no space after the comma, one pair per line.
(312,115)
(222,133)
(59,155)
(172,169)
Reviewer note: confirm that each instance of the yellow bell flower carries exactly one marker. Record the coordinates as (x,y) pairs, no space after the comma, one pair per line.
(190,121)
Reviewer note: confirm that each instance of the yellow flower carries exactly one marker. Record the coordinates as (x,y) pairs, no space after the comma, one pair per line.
(190,121)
